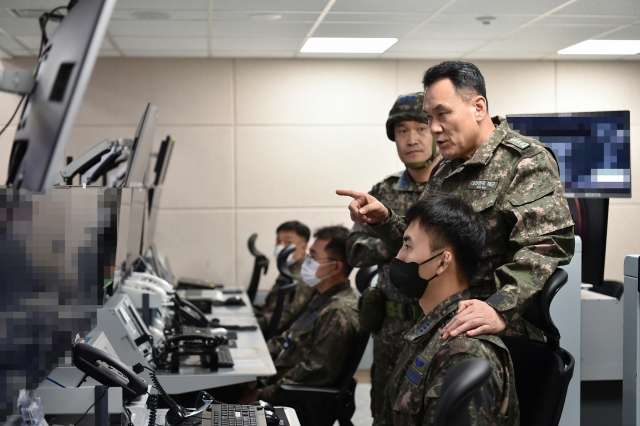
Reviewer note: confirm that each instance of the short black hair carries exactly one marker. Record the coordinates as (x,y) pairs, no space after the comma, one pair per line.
(465,76)
(299,228)
(337,246)
(451,222)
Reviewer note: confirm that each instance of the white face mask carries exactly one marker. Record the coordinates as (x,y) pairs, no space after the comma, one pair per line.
(278,250)
(309,270)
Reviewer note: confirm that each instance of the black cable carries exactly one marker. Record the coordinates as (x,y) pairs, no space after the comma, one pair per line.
(153,406)
(94,403)
(14,115)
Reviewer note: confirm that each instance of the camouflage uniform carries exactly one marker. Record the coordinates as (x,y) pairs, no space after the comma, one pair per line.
(399,192)
(364,248)
(513,182)
(292,308)
(414,388)
(316,348)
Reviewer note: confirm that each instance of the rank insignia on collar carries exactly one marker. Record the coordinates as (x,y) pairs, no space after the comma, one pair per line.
(434,181)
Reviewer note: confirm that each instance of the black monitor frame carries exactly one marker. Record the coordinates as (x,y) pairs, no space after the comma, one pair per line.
(162,161)
(62,75)
(139,159)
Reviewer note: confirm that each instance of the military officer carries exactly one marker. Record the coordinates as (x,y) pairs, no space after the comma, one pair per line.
(388,313)
(314,351)
(291,232)
(443,245)
(511,180)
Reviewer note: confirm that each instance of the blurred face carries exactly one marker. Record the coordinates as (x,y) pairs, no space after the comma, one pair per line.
(285,238)
(327,263)
(413,141)
(454,122)
(416,249)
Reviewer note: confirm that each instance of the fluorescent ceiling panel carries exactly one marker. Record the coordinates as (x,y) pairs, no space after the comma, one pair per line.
(347,45)
(603,47)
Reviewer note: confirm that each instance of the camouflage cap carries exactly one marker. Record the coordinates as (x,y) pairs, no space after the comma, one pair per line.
(407,107)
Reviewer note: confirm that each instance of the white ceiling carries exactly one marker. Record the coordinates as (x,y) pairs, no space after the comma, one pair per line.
(439,29)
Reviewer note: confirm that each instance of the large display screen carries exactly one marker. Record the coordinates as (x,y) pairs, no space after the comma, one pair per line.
(592,148)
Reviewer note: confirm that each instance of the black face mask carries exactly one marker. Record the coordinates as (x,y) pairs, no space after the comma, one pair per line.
(406,278)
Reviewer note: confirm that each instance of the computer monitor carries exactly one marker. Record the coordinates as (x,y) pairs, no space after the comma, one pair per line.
(62,75)
(162,161)
(139,159)
(151,220)
(592,148)
(136,226)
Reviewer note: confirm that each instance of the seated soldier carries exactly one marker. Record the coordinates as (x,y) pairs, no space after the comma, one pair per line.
(443,244)
(288,233)
(316,348)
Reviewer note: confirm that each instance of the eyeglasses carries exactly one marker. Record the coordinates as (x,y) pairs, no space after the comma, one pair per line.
(310,256)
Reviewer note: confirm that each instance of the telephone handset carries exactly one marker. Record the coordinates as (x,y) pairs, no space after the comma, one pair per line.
(189,314)
(143,276)
(133,286)
(107,370)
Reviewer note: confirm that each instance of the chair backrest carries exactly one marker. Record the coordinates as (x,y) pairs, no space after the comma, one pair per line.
(286,284)
(261,262)
(542,370)
(365,276)
(458,387)
(351,365)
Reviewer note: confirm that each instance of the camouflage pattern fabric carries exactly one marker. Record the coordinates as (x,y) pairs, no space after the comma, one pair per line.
(291,310)
(315,349)
(413,391)
(365,249)
(513,182)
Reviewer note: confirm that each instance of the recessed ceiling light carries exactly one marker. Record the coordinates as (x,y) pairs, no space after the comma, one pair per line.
(266,16)
(603,47)
(347,45)
(150,15)
(486,20)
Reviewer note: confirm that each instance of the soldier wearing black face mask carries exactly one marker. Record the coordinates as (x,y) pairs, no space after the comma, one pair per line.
(446,232)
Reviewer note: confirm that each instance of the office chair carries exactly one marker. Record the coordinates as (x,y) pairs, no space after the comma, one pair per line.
(542,370)
(459,386)
(610,288)
(365,276)
(286,285)
(261,262)
(342,393)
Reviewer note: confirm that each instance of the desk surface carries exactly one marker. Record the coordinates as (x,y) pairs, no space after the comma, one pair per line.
(251,358)
(211,295)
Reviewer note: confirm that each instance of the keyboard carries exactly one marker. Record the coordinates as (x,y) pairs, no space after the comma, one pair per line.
(224,357)
(233,415)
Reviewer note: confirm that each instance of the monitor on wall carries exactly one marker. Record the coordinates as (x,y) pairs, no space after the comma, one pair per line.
(592,148)
(62,74)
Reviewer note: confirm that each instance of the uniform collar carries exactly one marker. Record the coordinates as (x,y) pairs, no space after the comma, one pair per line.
(430,321)
(485,152)
(406,183)
(334,290)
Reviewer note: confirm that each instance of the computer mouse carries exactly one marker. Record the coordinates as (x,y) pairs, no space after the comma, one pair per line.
(233,301)
(219,331)
(269,412)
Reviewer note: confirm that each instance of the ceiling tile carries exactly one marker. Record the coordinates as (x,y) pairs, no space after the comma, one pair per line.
(8,42)
(406,6)
(551,32)
(471,19)
(504,55)
(22,52)
(30,42)
(20,26)
(614,20)
(425,46)
(497,7)
(158,28)
(253,54)
(528,45)
(385,17)
(163,4)
(5,55)
(272,6)
(422,55)
(109,52)
(599,7)
(629,33)
(260,29)
(179,15)
(361,29)
(31,4)
(462,30)
(161,43)
(256,44)
(245,17)
(182,53)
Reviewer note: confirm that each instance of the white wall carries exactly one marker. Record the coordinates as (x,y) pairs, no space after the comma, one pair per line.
(263,141)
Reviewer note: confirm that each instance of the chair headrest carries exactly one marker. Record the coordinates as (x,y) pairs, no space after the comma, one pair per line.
(251,244)
(282,261)
(538,313)
(365,276)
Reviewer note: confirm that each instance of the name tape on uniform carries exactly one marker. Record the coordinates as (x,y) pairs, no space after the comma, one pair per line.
(483,185)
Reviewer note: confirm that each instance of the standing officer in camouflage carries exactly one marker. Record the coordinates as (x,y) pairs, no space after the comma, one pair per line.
(511,180)
(386,313)
(443,245)
(316,348)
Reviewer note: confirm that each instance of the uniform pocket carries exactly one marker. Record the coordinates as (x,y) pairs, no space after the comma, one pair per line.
(541,211)
(483,203)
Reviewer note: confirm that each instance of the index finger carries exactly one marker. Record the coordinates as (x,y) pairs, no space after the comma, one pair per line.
(350,193)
